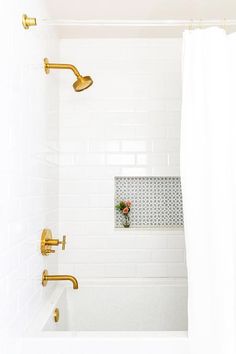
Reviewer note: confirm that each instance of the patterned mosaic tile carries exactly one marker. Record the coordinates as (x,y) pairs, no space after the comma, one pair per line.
(156,201)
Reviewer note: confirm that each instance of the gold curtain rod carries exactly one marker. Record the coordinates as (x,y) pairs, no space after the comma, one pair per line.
(127,23)
(27,22)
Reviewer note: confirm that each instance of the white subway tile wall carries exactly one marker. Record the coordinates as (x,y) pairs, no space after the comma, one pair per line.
(29,167)
(126,124)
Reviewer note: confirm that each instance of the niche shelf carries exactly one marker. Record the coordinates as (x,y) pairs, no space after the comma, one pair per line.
(156,201)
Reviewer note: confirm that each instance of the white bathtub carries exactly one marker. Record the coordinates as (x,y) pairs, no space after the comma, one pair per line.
(120,316)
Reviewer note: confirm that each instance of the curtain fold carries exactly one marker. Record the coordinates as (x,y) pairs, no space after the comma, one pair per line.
(208,164)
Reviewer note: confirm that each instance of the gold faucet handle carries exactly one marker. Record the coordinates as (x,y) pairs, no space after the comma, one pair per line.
(63,243)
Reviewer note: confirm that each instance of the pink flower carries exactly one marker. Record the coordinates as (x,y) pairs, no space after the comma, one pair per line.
(128,203)
(125,210)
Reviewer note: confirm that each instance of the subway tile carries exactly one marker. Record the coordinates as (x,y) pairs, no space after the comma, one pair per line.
(89,270)
(101,227)
(90,159)
(121,132)
(89,242)
(168,256)
(173,132)
(166,145)
(104,146)
(71,134)
(120,159)
(112,146)
(97,146)
(135,171)
(136,239)
(89,173)
(176,242)
(173,105)
(124,118)
(151,270)
(177,270)
(106,256)
(72,228)
(148,131)
(117,242)
(120,271)
(165,170)
(67,159)
(165,118)
(136,145)
(96,201)
(154,242)
(74,146)
(83,214)
(152,159)
(158,159)
(141,159)
(67,268)
(74,201)
(98,187)
(174,159)
(97,228)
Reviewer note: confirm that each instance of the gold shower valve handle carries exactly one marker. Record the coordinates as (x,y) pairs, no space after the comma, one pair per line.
(63,243)
(56,242)
(47,242)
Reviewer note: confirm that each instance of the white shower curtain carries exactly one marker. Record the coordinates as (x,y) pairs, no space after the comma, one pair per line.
(208,171)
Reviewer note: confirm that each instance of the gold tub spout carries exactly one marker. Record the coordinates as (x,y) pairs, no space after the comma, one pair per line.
(46,278)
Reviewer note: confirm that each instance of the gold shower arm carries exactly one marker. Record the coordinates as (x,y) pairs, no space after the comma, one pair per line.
(48,66)
(82,82)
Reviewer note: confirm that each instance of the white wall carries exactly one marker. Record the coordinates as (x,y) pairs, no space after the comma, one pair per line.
(127,123)
(28,169)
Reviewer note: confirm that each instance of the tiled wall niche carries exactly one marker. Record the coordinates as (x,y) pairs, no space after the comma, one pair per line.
(156,201)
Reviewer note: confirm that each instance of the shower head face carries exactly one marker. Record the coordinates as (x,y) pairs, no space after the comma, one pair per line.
(82,83)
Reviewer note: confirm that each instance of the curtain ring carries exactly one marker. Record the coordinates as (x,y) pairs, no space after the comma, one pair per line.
(224,24)
(190,27)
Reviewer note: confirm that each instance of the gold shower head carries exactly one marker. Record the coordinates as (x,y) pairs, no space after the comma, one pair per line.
(82,82)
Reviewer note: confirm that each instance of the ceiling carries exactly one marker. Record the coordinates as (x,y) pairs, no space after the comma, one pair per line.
(135,10)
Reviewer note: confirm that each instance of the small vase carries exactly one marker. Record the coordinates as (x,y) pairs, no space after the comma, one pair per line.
(126,221)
